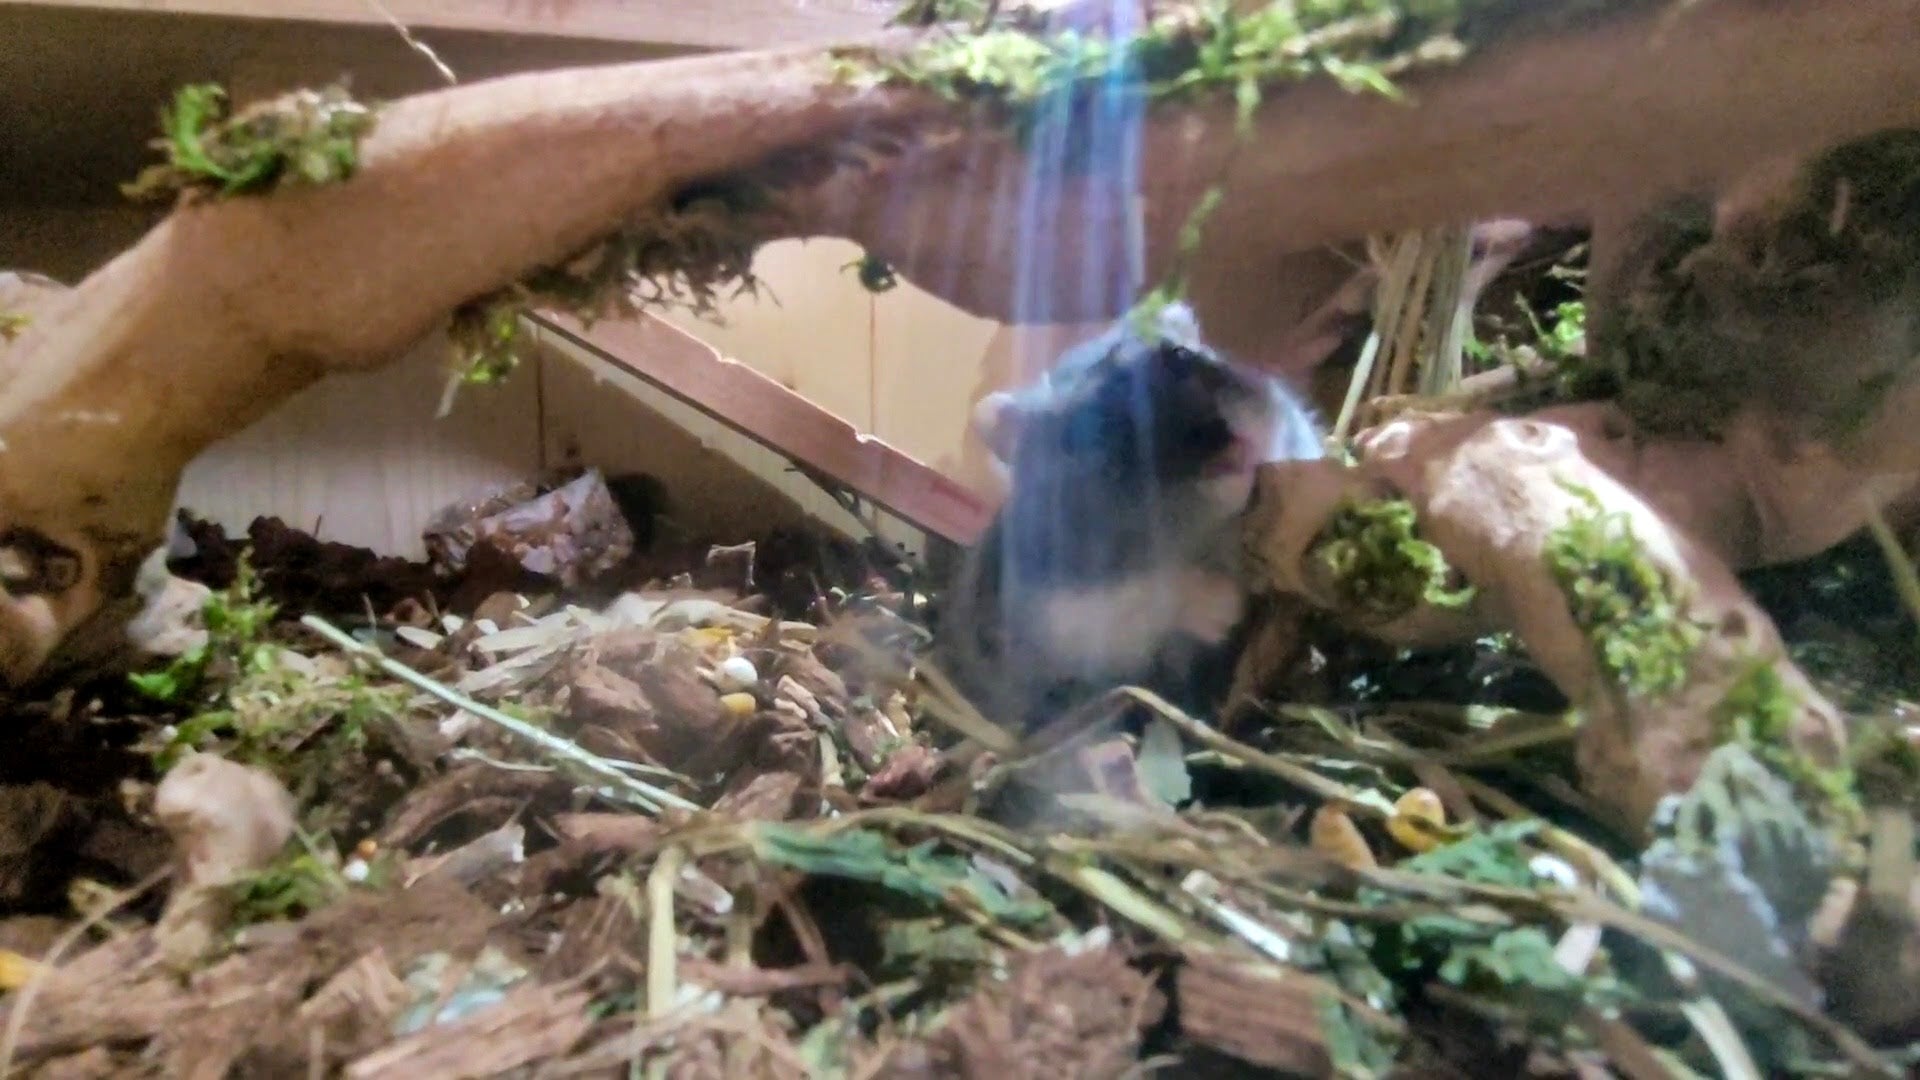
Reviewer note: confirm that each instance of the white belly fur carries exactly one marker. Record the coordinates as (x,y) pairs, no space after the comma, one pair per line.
(1117,629)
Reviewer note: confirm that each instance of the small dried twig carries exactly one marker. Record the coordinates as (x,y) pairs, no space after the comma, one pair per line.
(1905,579)
(615,783)
(23,1005)
(414,43)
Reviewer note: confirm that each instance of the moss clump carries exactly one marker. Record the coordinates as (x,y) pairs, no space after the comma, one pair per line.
(1012,58)
(306,137)
(1758,713)
(236,620)
(12,323)
(486,337)
(256,702)
(1379,565)
(1550,357)
(692,255)
(1712,321)
(294,885)
(702,244)
(1189,50)
(1626,605)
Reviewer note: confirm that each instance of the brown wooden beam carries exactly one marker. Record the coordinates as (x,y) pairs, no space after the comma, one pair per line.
(781,420)
(716,24)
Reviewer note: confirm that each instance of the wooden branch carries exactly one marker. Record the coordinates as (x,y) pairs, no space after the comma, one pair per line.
(719,24)
(228,307)
(1491,493)
(1550,127)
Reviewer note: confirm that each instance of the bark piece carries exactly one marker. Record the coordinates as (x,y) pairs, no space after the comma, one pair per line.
(572,534)
(1256,1014)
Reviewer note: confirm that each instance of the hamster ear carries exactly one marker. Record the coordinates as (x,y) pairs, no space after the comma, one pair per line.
(997,418)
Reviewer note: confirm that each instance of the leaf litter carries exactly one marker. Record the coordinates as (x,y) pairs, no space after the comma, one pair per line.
(570,798)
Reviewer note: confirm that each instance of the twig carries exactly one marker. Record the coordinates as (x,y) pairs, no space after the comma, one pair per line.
(22,1005)
(1906,580)
(618,784)
(662,938)
(1297,775)
(414,43)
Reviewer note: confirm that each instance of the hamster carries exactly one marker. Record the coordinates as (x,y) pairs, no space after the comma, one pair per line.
(1115,557)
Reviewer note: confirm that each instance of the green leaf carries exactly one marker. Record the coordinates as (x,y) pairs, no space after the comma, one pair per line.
(918,871)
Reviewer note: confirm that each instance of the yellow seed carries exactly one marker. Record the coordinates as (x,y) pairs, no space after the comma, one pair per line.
(739,703)
(367,848)
(16,971)
(1419,821)
(1334,835)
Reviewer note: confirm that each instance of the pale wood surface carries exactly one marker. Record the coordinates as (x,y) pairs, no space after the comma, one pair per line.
(727,24)
(361,458)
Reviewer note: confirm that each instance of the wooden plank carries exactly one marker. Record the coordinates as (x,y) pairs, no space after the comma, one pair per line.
(596,413)
(717,24)
(929,367)
(808,328)
(720,483)
(782,420)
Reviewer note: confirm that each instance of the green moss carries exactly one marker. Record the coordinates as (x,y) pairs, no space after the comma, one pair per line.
(1627,606)
(1196,49)
(12,323)
(241,695)
(692,255)
(297,883)
(1202,47)
(306,877)
(292,724)
(1758,712)
(486,336)
(307,137)
(1379,565)
(686,256)
(1017,61)
(236,620)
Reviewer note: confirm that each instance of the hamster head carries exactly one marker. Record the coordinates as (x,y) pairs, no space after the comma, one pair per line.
(1138,441)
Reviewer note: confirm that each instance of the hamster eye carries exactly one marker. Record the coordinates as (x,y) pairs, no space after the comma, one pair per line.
(1209,435)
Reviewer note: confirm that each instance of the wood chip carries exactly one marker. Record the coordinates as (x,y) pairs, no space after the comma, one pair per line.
(532,1023)
(1255,1013)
